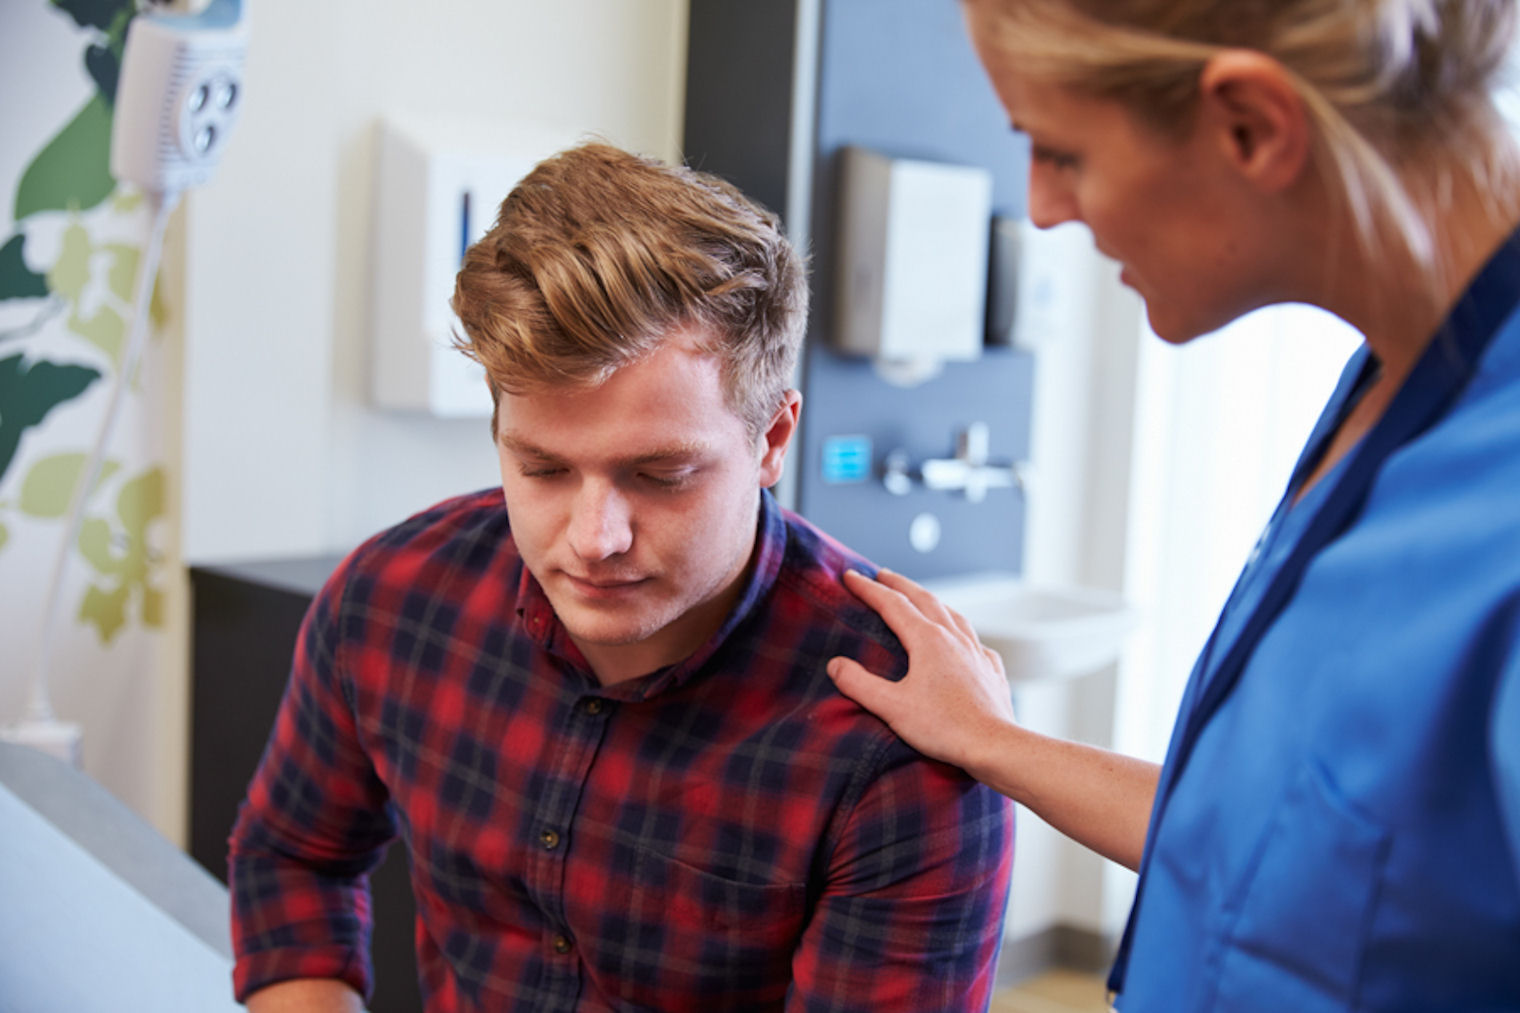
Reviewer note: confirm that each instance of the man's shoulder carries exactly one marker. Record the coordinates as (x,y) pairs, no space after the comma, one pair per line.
(462,536)
(810,581)
(811,577)
(456,518)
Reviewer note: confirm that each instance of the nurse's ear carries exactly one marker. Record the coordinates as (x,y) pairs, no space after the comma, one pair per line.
(1247,99)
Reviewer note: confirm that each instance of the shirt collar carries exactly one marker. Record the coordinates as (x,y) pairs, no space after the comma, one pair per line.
(539,624)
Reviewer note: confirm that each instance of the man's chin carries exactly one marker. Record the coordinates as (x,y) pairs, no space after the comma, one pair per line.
(605,624)
(602,636)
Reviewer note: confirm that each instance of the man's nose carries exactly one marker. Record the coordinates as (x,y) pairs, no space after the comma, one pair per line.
(601,524)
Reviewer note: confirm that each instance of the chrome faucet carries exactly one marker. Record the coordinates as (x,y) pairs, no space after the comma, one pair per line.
(968,471)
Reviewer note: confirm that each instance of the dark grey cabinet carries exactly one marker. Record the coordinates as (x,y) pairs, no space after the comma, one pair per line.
(244,628)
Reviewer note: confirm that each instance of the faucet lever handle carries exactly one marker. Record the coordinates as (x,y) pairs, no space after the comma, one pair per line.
(897,473)
(972,444)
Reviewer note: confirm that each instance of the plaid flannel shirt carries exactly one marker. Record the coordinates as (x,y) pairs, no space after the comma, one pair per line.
(728,832)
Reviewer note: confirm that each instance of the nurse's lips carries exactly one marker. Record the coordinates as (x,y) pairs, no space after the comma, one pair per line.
(1124,274)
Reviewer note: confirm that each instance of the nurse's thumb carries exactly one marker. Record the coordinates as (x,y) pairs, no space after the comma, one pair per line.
(867,689)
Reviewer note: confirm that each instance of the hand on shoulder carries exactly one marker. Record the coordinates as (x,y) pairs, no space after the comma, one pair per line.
(954,697)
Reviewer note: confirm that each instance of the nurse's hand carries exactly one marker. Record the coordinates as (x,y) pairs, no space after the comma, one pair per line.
(955,705)
(955,700)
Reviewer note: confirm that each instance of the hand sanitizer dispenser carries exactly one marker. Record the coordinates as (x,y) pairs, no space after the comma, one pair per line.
(438,186)
(912,273)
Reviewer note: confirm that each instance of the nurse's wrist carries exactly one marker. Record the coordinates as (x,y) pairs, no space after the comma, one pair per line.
(996,755)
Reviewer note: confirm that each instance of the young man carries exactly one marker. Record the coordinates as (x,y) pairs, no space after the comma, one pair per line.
(599,717)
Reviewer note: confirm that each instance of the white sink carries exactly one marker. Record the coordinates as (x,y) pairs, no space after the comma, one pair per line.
(1040,632)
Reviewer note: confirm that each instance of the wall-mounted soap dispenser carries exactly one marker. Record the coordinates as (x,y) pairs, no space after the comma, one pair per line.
(912,278)
(437,189)
(1034,298)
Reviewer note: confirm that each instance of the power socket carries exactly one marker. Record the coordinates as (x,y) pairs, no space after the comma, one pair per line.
(178,97)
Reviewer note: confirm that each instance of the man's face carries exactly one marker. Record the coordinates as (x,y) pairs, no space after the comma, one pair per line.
(635,503)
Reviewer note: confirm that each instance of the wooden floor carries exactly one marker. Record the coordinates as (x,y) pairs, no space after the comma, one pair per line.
(1053,992)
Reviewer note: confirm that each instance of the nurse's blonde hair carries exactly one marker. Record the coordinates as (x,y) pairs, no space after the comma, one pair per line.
(1390,85)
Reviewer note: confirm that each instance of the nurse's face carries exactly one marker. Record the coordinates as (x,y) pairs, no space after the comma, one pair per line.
(1162,206)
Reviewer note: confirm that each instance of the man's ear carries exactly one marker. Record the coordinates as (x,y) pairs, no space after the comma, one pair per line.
(778,437)
(1260,120)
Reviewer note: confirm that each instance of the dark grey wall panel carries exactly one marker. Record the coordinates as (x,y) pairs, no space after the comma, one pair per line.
(739,94)
(243,635)
(900,77)
(844,398)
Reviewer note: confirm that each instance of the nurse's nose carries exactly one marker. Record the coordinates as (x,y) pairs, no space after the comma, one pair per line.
(1050,198)
(601,523)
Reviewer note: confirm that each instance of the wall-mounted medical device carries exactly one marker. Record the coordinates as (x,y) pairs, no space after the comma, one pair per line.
(912,271)
(178,96)
(437,190)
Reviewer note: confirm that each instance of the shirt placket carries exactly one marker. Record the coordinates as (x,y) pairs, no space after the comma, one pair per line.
(576,744)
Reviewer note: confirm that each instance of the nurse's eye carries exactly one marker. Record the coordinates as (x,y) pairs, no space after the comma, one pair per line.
(1059,160)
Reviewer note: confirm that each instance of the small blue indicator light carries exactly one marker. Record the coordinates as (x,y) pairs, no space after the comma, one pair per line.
(846,459)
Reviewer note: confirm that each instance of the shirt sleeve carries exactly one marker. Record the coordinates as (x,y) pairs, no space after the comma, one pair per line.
(315,821)
(911,918)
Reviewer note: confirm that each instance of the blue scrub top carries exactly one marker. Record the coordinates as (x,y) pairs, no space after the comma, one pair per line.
(1338,821)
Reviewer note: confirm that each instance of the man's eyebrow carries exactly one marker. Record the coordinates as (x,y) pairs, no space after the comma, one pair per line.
(522,447)
(676,452)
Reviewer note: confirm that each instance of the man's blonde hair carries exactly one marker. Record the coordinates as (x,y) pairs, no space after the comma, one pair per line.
(598,255)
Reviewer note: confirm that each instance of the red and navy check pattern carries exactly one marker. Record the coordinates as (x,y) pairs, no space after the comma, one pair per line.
(726,833)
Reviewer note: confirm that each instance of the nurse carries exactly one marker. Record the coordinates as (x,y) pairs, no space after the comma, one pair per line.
(1337,822)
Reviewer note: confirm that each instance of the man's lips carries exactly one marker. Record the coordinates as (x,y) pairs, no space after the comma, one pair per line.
(602,585)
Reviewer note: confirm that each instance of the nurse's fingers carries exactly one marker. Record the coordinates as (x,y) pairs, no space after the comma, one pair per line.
(931,607)
(880,696)
(954,689)
(899,611)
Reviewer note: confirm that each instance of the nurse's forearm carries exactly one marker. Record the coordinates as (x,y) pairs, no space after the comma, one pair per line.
(1100,799)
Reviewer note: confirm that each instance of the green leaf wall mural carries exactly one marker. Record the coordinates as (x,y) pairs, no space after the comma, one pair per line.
(17,281)
(73,173)
(117,549)
(50,482)
(67,268)
(28,391)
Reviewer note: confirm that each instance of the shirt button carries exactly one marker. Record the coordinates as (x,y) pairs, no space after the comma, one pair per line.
(561,944)
(549,839)
(595,706)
